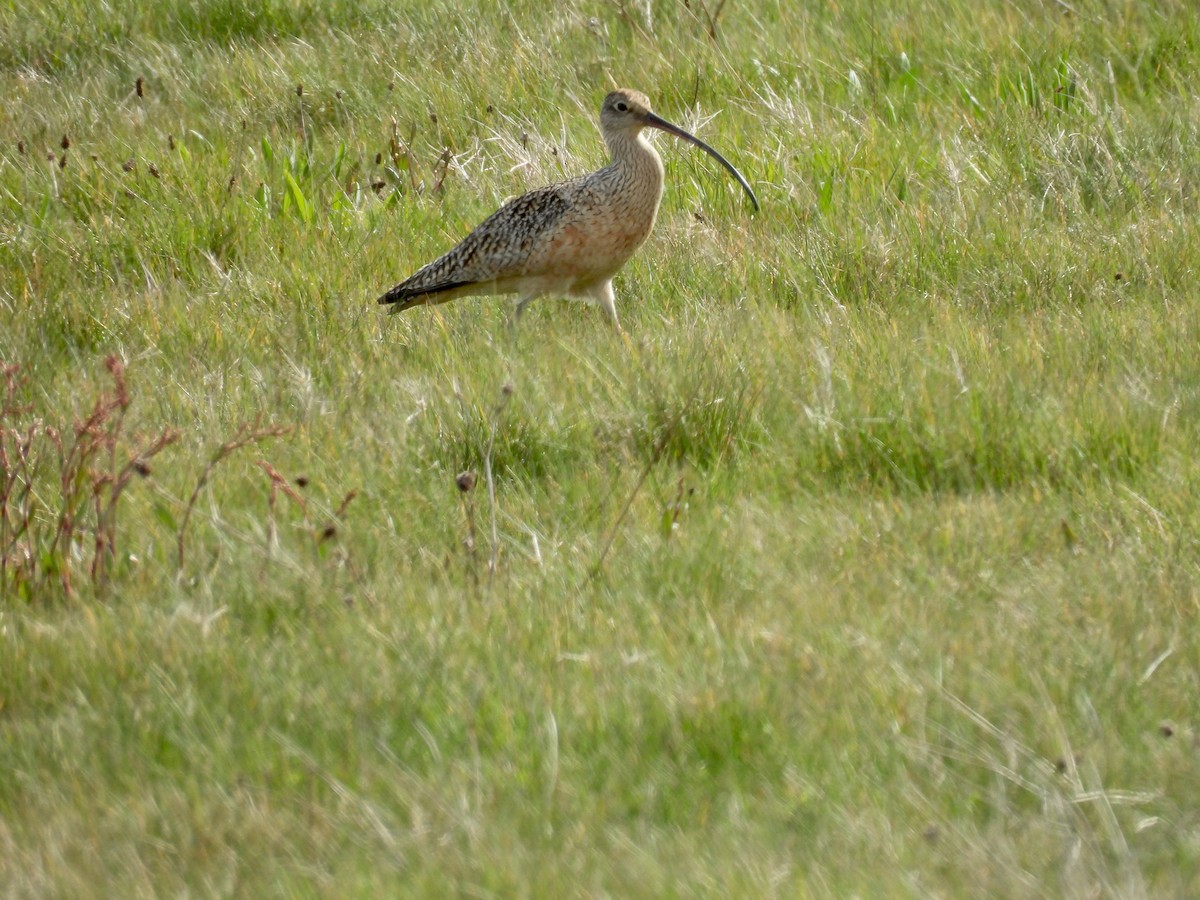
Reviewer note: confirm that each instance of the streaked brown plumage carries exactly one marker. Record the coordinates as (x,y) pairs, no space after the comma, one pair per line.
(566,239)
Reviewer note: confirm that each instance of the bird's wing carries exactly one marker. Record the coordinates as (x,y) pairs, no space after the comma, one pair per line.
(499,248)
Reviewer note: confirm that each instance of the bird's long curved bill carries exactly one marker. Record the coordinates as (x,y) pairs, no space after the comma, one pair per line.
(658,122)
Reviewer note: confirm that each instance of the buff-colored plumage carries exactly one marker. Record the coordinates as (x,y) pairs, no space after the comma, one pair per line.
(566,239)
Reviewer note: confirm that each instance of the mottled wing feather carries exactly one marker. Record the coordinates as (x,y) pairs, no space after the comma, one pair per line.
(499,248)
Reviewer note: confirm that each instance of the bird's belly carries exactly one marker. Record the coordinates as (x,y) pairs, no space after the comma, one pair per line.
(595,247)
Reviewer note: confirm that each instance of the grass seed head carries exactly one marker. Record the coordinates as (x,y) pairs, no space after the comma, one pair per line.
(346,501)
(465,481)
(116,368)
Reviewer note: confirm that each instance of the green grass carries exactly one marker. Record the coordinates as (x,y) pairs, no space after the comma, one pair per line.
(868,567)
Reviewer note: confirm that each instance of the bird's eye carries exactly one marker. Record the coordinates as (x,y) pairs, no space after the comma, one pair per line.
(622,106)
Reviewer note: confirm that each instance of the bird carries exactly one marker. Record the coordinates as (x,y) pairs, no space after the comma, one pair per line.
(567,239)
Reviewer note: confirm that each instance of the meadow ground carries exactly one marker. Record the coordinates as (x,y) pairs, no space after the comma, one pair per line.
(870,566)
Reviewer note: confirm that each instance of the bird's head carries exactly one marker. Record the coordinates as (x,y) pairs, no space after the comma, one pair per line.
(625,112)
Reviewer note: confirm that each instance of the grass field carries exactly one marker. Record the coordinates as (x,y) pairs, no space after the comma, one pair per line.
(870,566)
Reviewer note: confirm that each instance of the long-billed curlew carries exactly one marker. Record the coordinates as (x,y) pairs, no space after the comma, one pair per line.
(566,239)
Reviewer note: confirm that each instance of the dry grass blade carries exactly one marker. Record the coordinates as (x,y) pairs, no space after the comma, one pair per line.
(247,434)
(92,477)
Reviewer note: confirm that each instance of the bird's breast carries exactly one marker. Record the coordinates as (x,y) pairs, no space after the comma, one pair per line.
(612,215)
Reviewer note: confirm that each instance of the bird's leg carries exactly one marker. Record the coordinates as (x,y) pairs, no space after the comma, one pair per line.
(606,298)
(522,301)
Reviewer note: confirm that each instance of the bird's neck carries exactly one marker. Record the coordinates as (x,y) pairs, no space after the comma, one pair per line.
(633,153)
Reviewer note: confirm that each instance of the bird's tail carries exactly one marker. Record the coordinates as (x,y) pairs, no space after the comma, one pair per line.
(403,297)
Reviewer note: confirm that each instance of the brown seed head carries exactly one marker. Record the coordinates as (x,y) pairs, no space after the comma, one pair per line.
(65,143)
(465,480)
(140,86)
(346,501)
(116,369)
